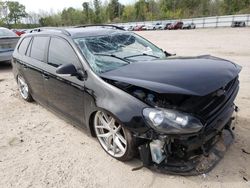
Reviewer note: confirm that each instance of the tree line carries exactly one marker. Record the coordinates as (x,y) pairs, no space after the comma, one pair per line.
(113,11)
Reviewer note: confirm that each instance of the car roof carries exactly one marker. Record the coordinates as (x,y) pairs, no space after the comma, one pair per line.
(79,31)
(90,31)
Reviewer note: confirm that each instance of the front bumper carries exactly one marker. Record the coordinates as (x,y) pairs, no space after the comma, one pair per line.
(199,164)
(193,154)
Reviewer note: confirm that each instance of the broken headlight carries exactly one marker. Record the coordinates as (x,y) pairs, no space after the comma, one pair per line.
(171,121)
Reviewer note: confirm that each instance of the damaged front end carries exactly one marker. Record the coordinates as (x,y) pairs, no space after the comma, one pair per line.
(190,134)
(185,154)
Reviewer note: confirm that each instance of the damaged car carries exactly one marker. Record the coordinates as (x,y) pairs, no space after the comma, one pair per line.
(175,113)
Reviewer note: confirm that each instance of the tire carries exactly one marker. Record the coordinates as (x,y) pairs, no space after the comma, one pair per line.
(24,89)
(114,138)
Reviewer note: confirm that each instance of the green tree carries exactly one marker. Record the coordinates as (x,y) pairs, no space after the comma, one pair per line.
(141,9)
(86,11)
(114,9)
(97,11)
(71,16)
(128,13)
(16,11)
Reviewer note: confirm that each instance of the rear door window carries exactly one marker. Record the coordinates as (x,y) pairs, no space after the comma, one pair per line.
(60,53)
(24,45)
(38,48)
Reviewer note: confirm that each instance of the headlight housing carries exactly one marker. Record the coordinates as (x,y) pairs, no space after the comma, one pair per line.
(171,121)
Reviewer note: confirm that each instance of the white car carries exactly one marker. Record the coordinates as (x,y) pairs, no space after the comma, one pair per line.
(158,26)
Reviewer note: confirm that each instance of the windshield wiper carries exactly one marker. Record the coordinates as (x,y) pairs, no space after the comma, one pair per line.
(144,54)
(114,56)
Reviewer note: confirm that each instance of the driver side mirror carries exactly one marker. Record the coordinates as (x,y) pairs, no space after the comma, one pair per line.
(70,70)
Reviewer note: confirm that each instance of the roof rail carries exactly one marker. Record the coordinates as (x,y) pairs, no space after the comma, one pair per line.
(100,25)
(64,31)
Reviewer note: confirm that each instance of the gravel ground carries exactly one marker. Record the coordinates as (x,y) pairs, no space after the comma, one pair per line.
(39,149)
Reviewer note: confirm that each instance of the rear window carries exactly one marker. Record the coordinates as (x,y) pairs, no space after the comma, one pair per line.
(6,33)
(38,48)
(24,45)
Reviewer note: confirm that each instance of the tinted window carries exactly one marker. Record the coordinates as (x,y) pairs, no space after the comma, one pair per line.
(24,45)
(60,52)
(38,48)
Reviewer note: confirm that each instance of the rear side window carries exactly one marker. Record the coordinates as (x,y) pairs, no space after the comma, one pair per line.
(60,53)
(24,45)
(38,48)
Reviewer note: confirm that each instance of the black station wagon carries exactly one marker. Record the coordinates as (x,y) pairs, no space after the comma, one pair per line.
(174,113)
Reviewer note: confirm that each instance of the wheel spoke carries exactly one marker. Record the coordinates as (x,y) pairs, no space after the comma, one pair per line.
(102,127)
(23,88)
(118,128)
(105,117)
(119,144)
(109,145)
(114,145)
(121,138)
(111,122)
(104,123)
(21,81)
(105,135)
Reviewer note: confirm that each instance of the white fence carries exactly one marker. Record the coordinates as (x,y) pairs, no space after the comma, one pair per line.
(204,22)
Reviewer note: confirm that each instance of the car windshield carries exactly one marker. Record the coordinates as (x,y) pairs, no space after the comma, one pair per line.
(6,33)
(109,52)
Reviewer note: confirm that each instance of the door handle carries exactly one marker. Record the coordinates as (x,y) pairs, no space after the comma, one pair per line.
(46,76)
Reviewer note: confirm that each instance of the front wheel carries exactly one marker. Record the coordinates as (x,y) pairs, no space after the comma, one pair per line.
(115,139)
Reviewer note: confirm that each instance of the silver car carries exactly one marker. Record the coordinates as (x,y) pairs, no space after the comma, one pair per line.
(8,41)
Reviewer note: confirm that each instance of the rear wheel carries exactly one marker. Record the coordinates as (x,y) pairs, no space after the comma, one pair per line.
(24,89)
(116,140)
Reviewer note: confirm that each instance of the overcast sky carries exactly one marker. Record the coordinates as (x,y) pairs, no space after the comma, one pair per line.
(57,5)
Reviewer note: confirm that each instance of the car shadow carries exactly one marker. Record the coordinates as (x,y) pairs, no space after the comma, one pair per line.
(5,66)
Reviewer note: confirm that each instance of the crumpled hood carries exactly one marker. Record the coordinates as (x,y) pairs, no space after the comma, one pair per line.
(191,76)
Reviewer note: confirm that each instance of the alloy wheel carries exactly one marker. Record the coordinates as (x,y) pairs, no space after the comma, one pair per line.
(23,87)
(110,134)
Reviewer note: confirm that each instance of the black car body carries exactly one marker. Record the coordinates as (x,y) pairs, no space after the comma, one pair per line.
(176,111)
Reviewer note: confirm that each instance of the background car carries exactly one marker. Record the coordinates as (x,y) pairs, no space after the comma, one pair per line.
(8,41)
(158,26)
(128,27)
(19,32)
(167,25)
(148,27)
(138,28)
(238,24)
(176,25)
(189,26)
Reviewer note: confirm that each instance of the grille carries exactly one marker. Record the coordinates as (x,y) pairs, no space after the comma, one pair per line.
(218,102)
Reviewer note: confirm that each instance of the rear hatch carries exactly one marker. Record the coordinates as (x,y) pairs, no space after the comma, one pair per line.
(8,43)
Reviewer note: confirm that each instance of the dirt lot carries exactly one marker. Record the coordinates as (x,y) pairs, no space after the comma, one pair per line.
(38,149)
